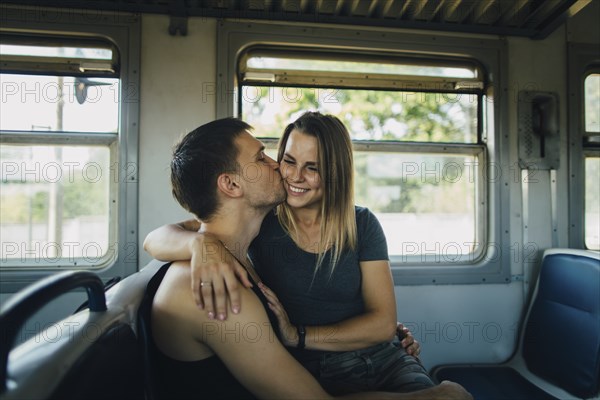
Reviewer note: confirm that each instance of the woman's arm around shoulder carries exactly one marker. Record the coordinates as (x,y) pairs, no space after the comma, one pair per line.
(173,242)
(210,263)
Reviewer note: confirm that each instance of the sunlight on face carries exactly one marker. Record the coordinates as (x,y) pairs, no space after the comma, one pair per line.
(300,171)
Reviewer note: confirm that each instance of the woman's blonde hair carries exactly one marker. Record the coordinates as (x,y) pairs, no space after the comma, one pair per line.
(336,171)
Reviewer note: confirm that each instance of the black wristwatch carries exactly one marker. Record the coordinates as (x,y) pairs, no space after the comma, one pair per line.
(301,336)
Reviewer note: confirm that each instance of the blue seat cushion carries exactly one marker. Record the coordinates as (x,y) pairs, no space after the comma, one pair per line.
(492,383)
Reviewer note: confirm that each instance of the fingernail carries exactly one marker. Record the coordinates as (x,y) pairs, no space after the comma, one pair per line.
(236,310)
(211,315)
(221,316)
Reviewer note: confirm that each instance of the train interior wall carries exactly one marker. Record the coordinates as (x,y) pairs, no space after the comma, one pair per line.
(454,323)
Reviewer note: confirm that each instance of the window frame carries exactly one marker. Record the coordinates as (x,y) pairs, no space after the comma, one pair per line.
(122,31)
(493,264)
(583,60)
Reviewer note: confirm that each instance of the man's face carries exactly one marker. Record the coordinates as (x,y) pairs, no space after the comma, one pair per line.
(260,177)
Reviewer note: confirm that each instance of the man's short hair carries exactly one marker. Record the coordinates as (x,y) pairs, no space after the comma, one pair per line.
(198,160)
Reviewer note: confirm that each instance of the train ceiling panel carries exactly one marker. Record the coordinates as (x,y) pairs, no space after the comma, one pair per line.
(530,18)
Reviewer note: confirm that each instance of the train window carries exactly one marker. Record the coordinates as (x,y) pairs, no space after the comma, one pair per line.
(64,143)
(55,202)
(56,197)
(282,63)
(592,161)
(592,103)
(592,202)
(427,120)
(402,115)
(584,149)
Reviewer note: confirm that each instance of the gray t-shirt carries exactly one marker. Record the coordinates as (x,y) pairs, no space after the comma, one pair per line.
(289,272)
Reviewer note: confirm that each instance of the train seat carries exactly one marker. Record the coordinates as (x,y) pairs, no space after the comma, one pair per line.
(98,356)
(558,354)
(145,333)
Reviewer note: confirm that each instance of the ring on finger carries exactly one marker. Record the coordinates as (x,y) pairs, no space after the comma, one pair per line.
(202,284)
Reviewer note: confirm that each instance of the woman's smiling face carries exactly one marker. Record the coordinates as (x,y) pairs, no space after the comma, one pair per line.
(300,171)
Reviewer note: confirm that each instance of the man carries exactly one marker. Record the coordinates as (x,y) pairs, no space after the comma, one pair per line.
(221,174)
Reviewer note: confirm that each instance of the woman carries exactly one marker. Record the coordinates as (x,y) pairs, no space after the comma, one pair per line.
(327,261)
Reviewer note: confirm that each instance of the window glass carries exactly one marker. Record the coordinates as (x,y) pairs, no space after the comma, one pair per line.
(56,51)
(401,118)
(357,67)
(592,103)
(424,202)
(592,202)
(54,203)
(59,143)
(59,103)
(368,114)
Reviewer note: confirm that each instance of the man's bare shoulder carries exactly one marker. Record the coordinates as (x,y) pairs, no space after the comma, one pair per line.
(175,291)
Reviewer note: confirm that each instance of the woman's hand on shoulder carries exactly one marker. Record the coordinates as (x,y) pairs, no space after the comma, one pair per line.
(216,276)
(289,334)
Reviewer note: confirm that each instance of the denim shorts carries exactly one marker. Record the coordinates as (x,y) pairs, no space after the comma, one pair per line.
(383,367)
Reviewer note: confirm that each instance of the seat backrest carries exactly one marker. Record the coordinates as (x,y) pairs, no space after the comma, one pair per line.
(146,340)
(561,341)
(92,354)
(108,369)
(99,354)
